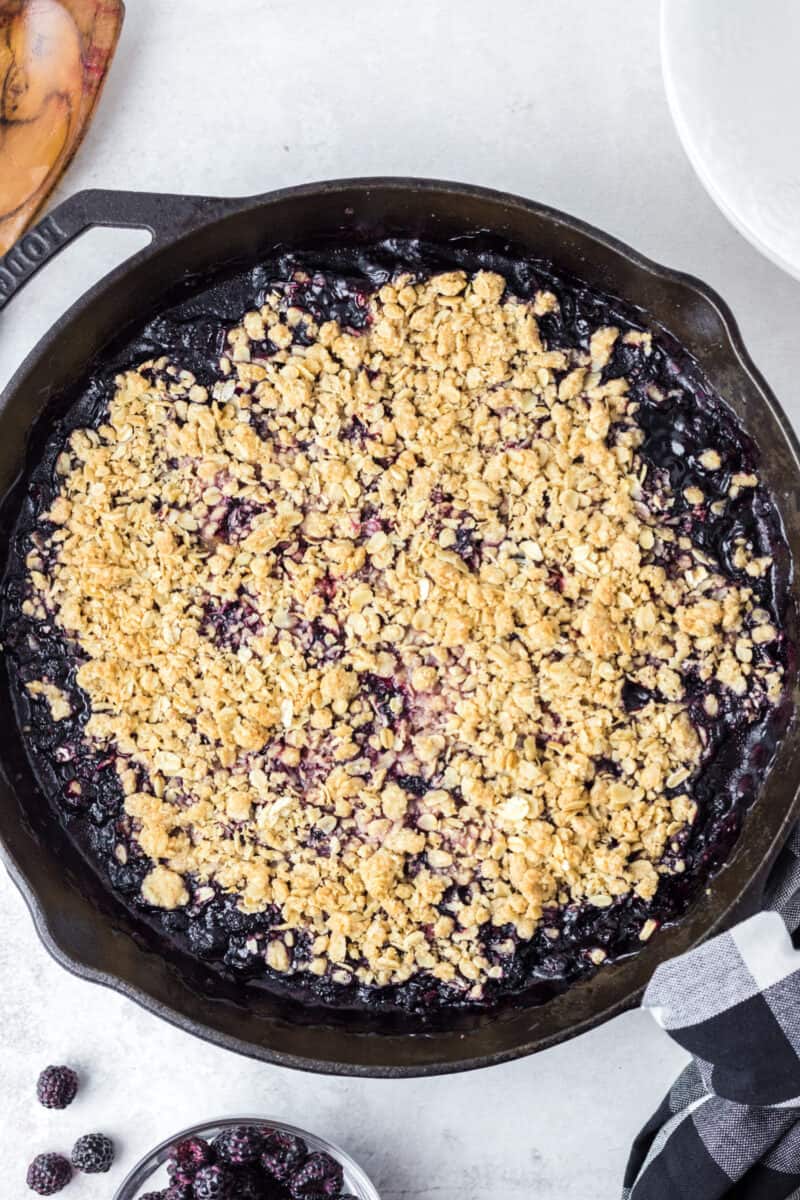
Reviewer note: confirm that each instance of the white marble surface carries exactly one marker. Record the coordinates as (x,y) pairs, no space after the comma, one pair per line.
(563,102)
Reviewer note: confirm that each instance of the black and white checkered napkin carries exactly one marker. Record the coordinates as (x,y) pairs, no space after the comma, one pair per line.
(730,1126)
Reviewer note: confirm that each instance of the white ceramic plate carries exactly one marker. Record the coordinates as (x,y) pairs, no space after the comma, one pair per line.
(732,74)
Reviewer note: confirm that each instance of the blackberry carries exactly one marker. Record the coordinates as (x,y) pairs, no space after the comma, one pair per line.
(283,1154)
(57,1087)
(414,784)
(240,1145)
(187,1157)
(213,1183)
(388,698)
(180,1178)
(634,696)
(250,1184)
(179,1191)
(153,1196)
(466,547)
(93,1153)
(320,1175)
(48,1174)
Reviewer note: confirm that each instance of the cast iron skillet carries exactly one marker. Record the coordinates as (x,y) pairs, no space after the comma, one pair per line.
(79,920)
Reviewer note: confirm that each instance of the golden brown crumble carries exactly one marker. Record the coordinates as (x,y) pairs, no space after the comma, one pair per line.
(325,502)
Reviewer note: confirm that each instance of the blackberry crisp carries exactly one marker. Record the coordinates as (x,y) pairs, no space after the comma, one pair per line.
(399,659)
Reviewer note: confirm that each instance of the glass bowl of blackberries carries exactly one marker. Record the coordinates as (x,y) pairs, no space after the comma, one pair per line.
(246,1158)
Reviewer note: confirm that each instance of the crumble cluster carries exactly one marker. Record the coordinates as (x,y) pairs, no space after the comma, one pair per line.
(357,620)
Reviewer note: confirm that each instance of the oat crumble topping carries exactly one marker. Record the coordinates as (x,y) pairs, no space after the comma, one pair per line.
(359,620)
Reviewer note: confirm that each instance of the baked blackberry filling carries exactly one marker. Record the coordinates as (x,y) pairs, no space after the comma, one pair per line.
(413,640)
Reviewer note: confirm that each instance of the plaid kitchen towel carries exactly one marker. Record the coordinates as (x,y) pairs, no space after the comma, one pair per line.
(730,1126)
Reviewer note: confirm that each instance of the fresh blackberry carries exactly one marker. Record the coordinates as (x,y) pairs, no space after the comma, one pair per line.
(283,1154)
(187,1157)
(57,1087)
(180,1178)
(213,1183)
(153,1196)
(93,1153)
(48,1174)
(179,1191)
(240,1145)
(320,1175)
(249,1183)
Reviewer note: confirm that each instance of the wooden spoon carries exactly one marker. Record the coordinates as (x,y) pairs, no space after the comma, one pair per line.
(54,56)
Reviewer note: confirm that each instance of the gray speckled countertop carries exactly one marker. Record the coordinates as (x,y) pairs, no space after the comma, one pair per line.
(562,102)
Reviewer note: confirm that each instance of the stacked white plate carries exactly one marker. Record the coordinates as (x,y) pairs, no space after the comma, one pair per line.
(732,74)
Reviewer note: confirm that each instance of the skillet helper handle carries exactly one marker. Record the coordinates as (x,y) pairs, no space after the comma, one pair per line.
(166,216)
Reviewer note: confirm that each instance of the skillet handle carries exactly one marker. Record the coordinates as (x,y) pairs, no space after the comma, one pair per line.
(166,216)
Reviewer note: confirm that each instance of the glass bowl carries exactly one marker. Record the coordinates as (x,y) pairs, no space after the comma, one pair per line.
(150,1173)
